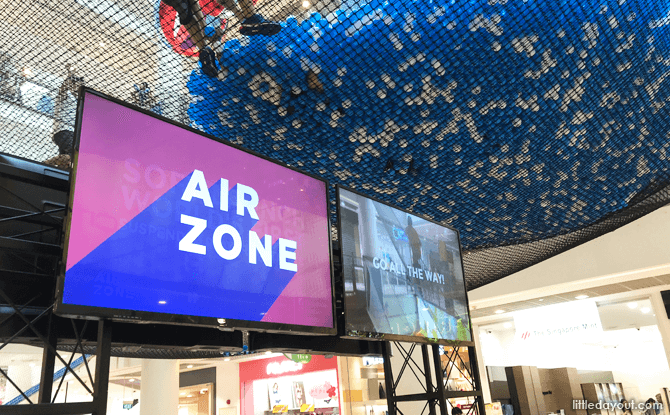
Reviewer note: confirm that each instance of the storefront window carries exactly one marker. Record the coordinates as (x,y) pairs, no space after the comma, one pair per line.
(623,347)
(363,387)
(456,372)
(196,400)
(281,385)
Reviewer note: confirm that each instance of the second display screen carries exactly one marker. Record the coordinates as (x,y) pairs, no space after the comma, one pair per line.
(402,274)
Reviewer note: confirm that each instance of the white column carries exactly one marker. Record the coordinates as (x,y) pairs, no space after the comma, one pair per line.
(228,386)
(159,393)
(483,376)
(662,320)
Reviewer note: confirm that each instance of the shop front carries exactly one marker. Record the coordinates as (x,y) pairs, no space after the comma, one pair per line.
(300,384)
(586,350)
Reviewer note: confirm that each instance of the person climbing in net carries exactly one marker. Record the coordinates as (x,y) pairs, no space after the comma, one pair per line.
(193,19)
(65,112)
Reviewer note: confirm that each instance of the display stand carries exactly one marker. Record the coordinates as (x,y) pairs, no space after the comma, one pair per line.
(44,405)
(31,220)
(30,247)
(436,396)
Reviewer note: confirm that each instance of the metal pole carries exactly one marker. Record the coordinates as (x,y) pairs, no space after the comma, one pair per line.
(388,378)
(103,354)
(472,354)
(48,362)
(439,377)
(429,378)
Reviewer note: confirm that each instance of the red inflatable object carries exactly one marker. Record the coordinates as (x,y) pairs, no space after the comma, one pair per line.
(178,37)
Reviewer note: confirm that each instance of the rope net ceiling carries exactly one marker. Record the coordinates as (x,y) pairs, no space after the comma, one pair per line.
(530,126)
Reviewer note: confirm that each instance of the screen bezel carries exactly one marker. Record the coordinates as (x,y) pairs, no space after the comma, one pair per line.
(390,336)
(98,313)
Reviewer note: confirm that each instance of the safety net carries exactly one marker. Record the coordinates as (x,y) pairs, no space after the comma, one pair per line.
(531,126)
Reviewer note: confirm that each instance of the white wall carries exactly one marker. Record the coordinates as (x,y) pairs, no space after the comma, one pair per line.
(640,360)
(643,243)
(636,358)
(227,385)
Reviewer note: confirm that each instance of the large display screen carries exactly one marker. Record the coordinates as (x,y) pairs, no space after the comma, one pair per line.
(167,224)
(403,275)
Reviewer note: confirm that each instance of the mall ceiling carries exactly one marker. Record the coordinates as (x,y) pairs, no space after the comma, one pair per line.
(531,126)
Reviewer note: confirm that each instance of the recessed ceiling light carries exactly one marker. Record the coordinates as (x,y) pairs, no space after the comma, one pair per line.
(162,302)
(182,394)
(131,380)
(306,4)
(541,299)
(632,305)
(582,297)
(645,310)
(189,396)
(507,325)
(27,72)
(500,311)
(189,366)
(102,44)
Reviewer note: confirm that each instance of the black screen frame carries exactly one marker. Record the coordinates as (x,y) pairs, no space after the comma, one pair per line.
(147,317)
(391,336)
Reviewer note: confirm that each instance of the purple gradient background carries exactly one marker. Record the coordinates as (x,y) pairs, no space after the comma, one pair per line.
(127,160)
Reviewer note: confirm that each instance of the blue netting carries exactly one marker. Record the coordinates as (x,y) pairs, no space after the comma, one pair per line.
(530,126)
(523,120)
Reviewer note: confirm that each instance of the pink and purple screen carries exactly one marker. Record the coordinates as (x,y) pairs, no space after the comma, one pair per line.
(166,220)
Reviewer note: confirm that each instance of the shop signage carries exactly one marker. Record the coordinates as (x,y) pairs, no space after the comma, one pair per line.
(299,357)
(371,361)
(576,320)
(306,408)
(279,368)
(279,409)
(494,408)
(130,404)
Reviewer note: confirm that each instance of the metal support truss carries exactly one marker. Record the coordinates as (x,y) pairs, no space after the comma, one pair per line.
(31,222)
(435,393)
(96,385)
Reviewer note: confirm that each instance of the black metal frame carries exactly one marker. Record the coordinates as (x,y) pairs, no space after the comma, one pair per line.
(435,394)
(28,293)
(94,313)
(45,405)
(30,262)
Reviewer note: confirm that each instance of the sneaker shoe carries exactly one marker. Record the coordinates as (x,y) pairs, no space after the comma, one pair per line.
(64,139)
(183,10)
(257,25)
(207,59)
(62,161)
